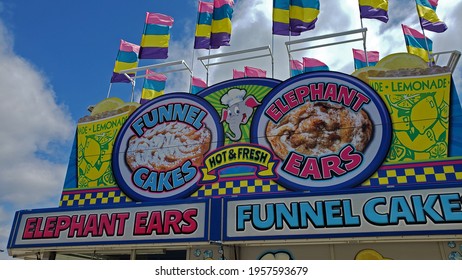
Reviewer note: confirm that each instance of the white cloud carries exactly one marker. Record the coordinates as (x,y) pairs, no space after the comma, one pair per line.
(34,131)
(252,22)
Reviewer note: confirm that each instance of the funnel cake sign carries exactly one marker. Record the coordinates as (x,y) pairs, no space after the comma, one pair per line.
(316,131)
(161,145)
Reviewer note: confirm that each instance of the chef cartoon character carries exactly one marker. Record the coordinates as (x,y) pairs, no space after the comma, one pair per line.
(238,112)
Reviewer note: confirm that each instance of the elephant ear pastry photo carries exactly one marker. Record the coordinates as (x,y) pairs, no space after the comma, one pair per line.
(321,128)
(167,146)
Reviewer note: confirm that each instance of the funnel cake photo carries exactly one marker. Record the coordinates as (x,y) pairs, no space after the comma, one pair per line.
(321,128)
(167,146)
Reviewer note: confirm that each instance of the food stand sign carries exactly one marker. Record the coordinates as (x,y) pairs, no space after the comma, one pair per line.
(330,130)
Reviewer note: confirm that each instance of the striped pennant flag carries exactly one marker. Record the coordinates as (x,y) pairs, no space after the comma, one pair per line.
(221,23)
(153,86)
(416,43)
(312,65)
(197,85)
(303,14)
(281,18)
(374,9)
(127,58)
(428,17)
(360,58)
(204,25)
(156,36)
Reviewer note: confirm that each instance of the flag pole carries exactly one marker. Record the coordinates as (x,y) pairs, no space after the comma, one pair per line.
(423,33)
(192,71)
(194,50)
(272,60)
(207,68)
(364,35)
(133,91)
(109,90)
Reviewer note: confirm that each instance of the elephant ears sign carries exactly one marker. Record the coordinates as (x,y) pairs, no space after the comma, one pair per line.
(318,131)
(329,129)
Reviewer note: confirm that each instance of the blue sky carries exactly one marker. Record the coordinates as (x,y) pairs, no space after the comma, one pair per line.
(75,43)
(57,57)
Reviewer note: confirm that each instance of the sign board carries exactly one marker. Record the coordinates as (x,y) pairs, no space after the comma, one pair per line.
(160,223)
(321,131)
(428,211)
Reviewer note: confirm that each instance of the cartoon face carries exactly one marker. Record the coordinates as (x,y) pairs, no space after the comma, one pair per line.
(238,112)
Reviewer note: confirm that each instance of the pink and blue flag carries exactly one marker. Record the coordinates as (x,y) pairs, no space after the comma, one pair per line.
(221,23)
(127,58)
(204,25)
(156,36)
(428,17)
(417,43)
(153,86)
(361,61)
(254,72)
(197,85)
(296,67)
(374,9)
(238,74)
(312,65)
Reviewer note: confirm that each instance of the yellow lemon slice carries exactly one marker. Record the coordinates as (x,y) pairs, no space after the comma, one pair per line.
(129,106)
(403,101)
(362,74)
(424,114)
(369,254)
(366,72)
(107,104)
(401,60)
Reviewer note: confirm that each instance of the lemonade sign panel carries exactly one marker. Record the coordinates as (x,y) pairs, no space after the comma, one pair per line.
(95,140)
(419,109)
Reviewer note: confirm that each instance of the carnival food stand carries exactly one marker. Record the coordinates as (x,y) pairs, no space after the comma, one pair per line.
(319,166)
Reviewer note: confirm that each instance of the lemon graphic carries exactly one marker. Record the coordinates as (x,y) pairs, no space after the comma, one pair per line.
(369,254)
(419,143)
(278,256)
(397,152)
(424,114)
(401,60)
(107,104)
(92,151)
(129,106)
(439,150)
(403,101)
(364,73)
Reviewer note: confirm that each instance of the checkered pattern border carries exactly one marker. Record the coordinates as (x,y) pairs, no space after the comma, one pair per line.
(103,196)
(412,174)
(407,174)
(241,187)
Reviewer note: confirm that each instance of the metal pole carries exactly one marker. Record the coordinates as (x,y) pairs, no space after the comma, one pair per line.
(194,50)
(133,91)
(272,60)
(109,90)
(364,35)
(288,48)
(132,81)
(207,68)
(192,72)
(364,44)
